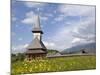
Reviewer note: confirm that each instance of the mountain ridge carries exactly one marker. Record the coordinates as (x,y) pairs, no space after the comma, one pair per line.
(89,48)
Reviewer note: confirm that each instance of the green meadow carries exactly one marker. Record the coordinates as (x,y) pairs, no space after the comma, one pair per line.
(54,64)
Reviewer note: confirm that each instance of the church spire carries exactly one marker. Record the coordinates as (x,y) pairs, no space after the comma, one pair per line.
(36,21)
(37,27)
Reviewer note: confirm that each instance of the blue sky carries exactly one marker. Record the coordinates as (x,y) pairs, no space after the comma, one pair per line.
(64,25)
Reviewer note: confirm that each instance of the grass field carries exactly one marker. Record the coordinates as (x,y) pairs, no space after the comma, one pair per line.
(54,65)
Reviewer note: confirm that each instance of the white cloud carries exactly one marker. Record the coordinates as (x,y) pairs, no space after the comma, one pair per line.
(34,4)
(79,41)
(59,18)
(29,18)
(85,30)
(76,40)
(25,45)
(44,18)
(76,10)
(61,38)
(49,45)
(19,48)
(30,14)
(49,14)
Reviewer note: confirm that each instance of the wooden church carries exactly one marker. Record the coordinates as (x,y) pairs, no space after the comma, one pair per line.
(36,48)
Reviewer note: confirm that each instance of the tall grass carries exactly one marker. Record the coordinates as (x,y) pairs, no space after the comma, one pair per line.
(54,64)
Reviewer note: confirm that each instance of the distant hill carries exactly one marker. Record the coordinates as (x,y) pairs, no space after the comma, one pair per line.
(88,48)
(52,51)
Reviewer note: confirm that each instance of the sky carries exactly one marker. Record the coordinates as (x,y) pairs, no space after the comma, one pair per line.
(64,25)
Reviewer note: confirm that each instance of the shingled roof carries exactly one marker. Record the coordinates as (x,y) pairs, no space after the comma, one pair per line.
(36,44)
(35,51)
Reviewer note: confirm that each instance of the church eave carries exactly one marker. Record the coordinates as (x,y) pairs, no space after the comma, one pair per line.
(35,52)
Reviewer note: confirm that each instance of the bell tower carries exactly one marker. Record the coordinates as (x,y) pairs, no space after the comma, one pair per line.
(36,48)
